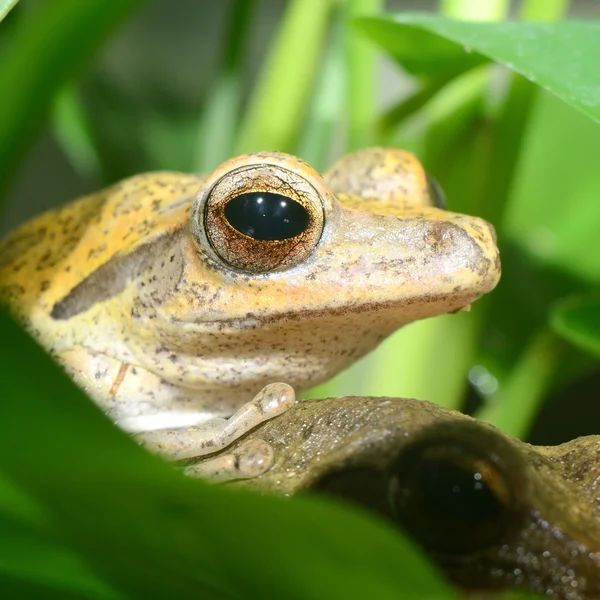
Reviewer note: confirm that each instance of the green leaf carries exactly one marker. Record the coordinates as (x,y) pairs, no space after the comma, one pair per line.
(154,534)
(561,57)
(419,51)
(578,321)
(33,560)
(5,7)
(48,47)
(554,210)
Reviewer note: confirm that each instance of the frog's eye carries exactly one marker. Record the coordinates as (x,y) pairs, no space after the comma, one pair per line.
(266,216)
(454,494)
(436,193)
(263,218)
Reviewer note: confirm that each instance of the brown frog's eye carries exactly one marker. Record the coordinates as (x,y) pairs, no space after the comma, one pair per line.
(436,193)
(455,494)
(263,218)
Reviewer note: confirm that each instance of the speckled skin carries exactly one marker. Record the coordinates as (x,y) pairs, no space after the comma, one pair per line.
(552,544)
(126,290)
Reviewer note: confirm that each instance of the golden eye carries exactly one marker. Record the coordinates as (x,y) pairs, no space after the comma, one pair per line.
(457,488)
(262,218)
(454,490)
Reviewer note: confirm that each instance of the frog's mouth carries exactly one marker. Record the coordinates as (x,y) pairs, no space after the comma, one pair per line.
(399,312)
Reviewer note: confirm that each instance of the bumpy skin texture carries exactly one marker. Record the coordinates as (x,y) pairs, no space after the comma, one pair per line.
(552,544)
(127,291)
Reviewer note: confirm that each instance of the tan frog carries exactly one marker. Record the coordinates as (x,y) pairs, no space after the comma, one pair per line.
(493,512)
(172,298)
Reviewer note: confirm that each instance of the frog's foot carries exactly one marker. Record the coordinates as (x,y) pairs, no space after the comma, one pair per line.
(216,434)
(250,459)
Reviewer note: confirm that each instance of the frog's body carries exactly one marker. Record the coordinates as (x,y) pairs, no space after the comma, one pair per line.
(492,511)
(168,314)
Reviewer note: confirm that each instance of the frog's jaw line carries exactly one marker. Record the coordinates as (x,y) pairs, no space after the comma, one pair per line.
(252,321)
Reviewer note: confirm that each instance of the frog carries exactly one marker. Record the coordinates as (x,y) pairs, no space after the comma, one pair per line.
(193,308)
(493,512)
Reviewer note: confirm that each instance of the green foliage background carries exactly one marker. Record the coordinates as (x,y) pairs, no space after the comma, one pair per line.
(83,512)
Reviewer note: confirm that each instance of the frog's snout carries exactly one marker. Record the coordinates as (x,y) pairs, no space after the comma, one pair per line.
(459,256)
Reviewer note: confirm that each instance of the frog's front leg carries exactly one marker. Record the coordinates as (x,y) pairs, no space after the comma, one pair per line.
(248,460)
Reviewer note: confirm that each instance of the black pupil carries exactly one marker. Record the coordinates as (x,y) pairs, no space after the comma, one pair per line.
(266,216)
(446,502)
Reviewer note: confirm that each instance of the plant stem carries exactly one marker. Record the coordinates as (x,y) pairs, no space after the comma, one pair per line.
(515,406)
(362,77)
(219,121)
(72,130)
(475,10)
(543,10)
(424,348)
(324,113)
(274,117)
(511,123)
(426,360)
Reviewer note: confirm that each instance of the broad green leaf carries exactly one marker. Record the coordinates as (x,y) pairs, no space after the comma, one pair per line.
(420,51)
(561,57)
(48,47)
(578,321)
(155,534)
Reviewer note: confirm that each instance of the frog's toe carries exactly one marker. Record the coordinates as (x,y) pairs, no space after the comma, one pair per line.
(247,461)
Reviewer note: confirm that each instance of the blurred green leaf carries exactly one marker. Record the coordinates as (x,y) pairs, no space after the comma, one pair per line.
(274,117)
(34,564)
(554,212)
(155,534)
(219,121)
(48,47)
(577,320)
(5,7)
(72,129)
(517,402)
(323,115)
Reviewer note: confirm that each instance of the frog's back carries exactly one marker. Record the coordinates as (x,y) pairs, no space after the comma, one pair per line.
(41,261)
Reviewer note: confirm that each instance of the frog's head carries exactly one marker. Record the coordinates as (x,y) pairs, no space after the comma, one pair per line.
(302,274)
(367,237)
